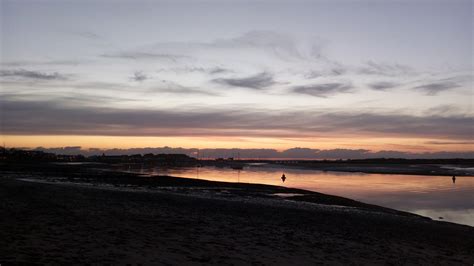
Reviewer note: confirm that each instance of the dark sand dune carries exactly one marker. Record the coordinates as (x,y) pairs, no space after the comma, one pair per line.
(59,224)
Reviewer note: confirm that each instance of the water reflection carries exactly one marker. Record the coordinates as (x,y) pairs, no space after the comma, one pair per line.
(451,198)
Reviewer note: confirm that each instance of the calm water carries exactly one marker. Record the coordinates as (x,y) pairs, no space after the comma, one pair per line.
(432,196)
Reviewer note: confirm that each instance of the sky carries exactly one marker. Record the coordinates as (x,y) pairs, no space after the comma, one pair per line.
(324,75)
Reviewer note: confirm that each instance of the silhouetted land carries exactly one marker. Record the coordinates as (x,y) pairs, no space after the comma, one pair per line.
(445,167)
(89,213)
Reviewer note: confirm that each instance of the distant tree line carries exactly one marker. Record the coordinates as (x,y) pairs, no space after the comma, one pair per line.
(19,155)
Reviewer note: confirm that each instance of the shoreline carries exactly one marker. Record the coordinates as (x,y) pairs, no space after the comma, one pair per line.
(45,223)
(107,177)
(171,220)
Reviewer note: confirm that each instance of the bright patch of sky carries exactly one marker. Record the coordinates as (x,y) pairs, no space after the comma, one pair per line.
(308,58)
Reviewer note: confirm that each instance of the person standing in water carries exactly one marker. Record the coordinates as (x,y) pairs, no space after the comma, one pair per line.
(454,179)
(283,178)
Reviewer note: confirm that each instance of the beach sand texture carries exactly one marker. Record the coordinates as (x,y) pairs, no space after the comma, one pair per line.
(59,224)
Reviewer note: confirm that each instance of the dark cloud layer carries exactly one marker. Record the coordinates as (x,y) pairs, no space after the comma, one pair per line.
(26,117)
(293,153)
(323,90)
(258,81)
(29,74)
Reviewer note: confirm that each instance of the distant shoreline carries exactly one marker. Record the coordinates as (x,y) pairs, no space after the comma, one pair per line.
(395,169)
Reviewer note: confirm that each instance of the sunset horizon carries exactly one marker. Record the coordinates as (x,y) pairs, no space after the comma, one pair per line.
(347,147)
(237,132)
(264,82)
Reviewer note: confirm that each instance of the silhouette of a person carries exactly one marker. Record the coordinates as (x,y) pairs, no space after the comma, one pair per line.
(283,178)
(454,179)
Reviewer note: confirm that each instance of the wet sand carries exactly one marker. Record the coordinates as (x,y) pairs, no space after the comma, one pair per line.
(64,223)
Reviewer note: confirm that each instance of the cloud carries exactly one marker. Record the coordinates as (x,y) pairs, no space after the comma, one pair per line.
(327,71)
(385,69)
(258,81)
(192,69)
(312,74)
(218,70)
(323,90)
(449,142)
(139,76)
(185,90)
(443,110)
(144,55)
(20,63)
(52,118)
(184,69)
(29,74)
(174,88)
(62,88)
(262,47)
(281,45)
(383,85)
(337,71)
(434,88)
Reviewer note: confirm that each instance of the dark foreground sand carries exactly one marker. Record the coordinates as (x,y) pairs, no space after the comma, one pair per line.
(59,224)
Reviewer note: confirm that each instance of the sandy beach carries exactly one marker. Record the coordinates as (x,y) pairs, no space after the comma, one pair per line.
(182,221)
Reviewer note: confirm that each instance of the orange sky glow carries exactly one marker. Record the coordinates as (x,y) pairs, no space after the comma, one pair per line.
(107,142)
